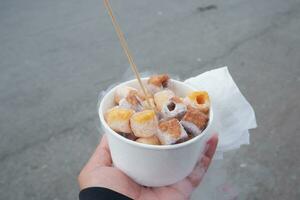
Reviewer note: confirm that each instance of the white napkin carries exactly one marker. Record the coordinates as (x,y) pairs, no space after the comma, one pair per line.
(233,115)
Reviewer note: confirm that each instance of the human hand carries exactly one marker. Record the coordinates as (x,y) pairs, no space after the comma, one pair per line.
(99,172)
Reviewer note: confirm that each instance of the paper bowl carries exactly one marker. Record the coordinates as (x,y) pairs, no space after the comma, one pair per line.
(152,165)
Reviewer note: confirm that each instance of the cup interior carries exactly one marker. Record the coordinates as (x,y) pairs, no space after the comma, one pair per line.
(181,89)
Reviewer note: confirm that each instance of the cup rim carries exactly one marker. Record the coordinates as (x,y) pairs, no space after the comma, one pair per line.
(149,146)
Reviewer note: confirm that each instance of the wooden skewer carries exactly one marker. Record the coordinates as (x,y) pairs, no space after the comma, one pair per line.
(126,50)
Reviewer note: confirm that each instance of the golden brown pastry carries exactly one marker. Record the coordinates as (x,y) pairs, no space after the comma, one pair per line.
(169,119)
(199,100)
(157,83)
(127,92)
(118,119)
(129,136)
(170,131)
(131,101)
(149,140)
(194,121)
(162,98)
(146,106)
(144,124)
(175,108)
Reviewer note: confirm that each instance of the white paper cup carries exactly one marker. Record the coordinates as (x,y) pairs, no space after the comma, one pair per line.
(151,165)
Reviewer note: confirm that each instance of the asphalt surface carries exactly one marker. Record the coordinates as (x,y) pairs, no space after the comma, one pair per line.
(57,56)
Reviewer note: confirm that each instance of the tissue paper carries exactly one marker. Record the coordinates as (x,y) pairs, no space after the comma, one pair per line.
(233,114)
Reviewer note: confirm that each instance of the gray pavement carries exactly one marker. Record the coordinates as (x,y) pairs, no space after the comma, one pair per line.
(56,56)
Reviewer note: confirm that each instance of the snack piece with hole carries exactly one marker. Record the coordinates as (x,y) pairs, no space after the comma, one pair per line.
(194,121)
(118,119)
(149,140)
(175,108)
(157,83)
(170,131)
(199,100)
(144,124)
(162,98)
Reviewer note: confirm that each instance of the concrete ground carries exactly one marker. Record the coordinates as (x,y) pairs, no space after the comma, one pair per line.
(56,56)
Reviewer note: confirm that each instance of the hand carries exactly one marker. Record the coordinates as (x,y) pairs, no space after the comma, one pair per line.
(99,172)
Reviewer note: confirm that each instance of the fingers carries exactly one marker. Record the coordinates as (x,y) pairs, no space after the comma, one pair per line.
(201,167)
(101,156)
(184,187)
(212,145)
(187,185)
(104,152)
(198,173)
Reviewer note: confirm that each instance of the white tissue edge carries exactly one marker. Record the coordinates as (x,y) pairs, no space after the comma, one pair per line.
(238,133)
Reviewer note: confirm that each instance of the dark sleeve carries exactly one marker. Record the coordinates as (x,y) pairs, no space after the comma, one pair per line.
(99,193)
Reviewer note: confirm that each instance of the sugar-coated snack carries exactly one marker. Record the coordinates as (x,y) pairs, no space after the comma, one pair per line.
(118,119)
(157,82)
(194,121)
(190,136)
(149,140)
(144,123)
(199,100)
(132,101)
(175,108)
(146,106)
(123,92)
(170,131)
(162,98)
(169,119)
(129,136)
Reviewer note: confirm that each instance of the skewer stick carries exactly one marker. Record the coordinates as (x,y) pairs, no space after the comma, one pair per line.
(126,50)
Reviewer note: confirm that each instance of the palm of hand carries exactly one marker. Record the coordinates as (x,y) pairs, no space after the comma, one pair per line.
(99,172)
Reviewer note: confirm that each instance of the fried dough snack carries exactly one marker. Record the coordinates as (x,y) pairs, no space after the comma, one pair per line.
(173,120)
